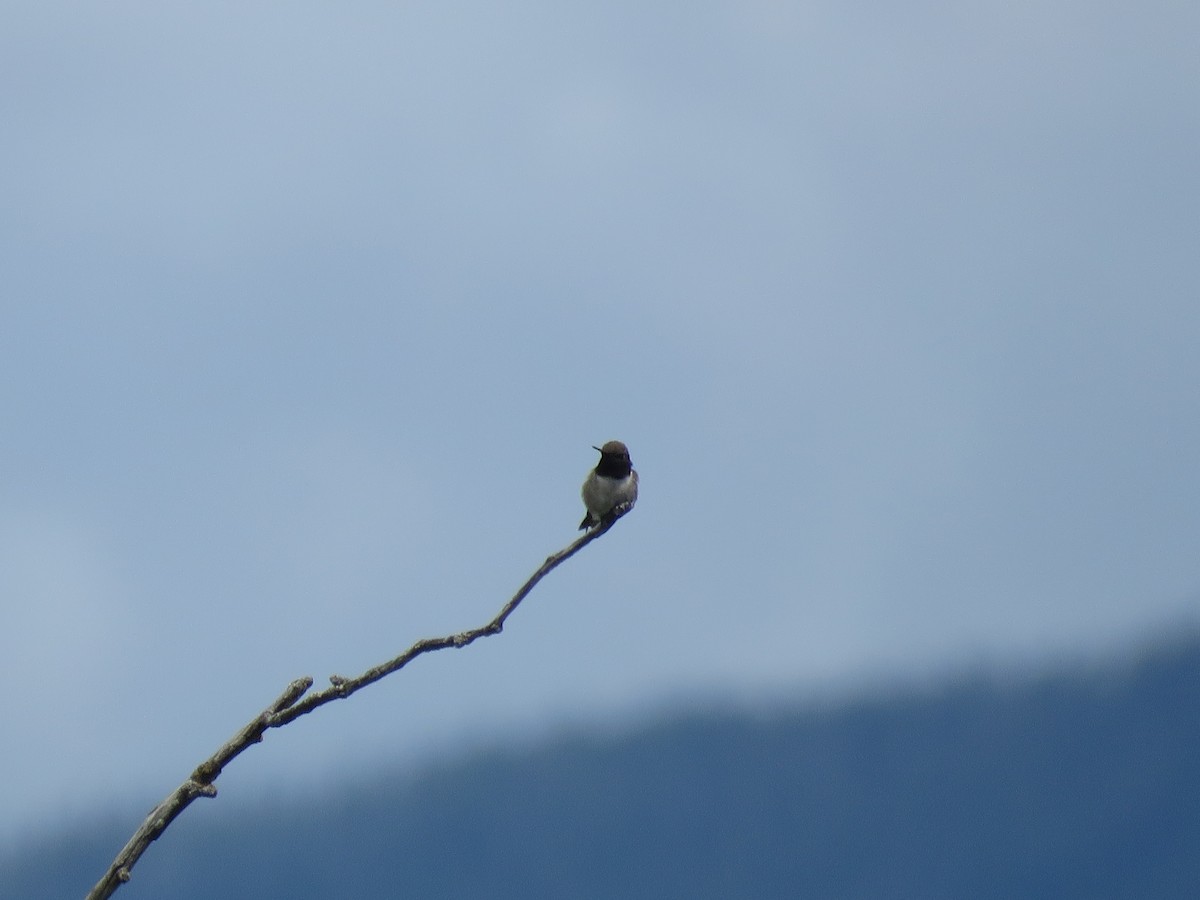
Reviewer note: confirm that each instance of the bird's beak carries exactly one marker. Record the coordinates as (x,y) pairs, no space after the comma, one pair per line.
(597,449)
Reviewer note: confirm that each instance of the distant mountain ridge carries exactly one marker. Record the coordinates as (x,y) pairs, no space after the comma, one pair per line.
(1083,785)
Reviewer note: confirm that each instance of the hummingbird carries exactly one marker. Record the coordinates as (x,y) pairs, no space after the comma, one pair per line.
(610,489)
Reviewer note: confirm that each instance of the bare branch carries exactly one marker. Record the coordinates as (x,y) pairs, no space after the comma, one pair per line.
(294,702)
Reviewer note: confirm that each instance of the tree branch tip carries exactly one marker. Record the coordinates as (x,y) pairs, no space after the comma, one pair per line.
(291,694)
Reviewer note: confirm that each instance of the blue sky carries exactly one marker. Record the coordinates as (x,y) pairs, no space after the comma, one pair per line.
(313,312)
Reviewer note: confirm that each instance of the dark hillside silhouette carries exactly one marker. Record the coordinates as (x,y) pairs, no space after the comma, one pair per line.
(1082,785)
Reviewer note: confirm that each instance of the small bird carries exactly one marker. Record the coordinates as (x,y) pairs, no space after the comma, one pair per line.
(610,490)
